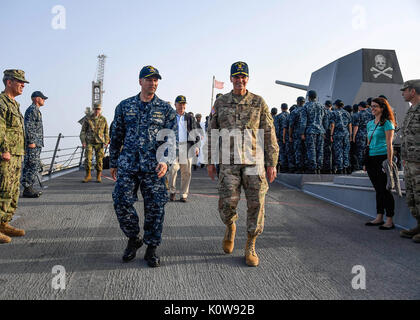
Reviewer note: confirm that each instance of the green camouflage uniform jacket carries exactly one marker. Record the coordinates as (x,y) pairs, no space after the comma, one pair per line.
(94,130)
(410,149)
(12,132)
(240,113)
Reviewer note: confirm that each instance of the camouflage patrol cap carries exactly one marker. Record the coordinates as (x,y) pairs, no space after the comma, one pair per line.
(239,68)
(414,84)
(97,106)
(15,74)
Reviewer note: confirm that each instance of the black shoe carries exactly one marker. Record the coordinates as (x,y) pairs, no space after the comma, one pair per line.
(31,193)
(370,224)
(339,171)
(387,228)
(151,257)
(130,252)
(310,172)
(183,200)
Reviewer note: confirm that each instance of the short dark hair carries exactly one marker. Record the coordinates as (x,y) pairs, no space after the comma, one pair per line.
(312,94)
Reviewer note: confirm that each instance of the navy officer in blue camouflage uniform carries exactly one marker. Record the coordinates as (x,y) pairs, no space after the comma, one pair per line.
(34,142)
(137,161)
(314,124)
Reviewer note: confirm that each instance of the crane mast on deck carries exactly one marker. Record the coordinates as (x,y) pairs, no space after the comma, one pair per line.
(98,85)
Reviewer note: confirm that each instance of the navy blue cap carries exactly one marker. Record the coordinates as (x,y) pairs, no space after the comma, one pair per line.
(39,94)
(328,103)
(181,99)
(300,99)
(339,103)
(148,72)
(284,106)
(239,68)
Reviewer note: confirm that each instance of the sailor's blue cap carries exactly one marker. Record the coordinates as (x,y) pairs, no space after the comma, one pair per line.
(148,72)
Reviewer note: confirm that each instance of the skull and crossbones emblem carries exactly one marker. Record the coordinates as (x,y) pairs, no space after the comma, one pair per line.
(380,69)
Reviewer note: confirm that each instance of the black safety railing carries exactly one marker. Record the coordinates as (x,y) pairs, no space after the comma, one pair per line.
(60,159)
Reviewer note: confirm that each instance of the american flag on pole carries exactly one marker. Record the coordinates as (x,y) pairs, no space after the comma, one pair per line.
(218,84)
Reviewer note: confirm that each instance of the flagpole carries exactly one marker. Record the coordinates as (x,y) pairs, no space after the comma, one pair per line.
(212,93)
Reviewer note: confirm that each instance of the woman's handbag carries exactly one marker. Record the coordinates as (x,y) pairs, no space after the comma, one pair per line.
(367,148)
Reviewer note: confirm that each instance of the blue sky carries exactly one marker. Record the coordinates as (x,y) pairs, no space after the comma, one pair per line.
(189,42)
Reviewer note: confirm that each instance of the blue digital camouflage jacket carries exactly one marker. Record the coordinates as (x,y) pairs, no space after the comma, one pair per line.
(34,131)
(135,129)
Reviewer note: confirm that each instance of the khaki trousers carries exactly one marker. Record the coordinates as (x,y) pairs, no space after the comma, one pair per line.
(185,177)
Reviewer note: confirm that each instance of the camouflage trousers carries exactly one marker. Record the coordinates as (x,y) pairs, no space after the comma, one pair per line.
(360,146)
(412,183)
(315,150)
(155,196)
(286,156)
(341,149)
(9,187)
(283,154)
(31,166)
(299,152)
(99,156)
(327,163)
(255,185)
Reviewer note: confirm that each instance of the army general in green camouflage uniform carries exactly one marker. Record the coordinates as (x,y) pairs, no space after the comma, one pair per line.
(246,114)
(12,149)
(94,137)
(410,153)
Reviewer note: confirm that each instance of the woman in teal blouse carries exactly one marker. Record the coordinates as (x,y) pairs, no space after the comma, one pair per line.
(381,134)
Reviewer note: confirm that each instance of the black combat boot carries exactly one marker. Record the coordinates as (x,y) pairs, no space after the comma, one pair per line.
(29,192)
(151,257)
(133,245)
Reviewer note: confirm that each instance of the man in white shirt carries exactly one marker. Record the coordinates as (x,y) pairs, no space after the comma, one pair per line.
(187,128)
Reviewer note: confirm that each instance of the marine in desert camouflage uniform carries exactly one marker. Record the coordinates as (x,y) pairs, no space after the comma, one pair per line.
(94,137)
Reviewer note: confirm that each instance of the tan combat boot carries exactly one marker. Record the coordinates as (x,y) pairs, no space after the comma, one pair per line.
(229,240)
(88,177)
(10,231)
(250,254)
(99,177)
(410,233)
(4,238)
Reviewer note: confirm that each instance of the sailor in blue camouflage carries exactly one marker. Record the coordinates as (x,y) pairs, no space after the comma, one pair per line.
(360,122)
(298,146)
(135,129)
(341,129)
(327,165)
(282,132)
(313,124)
(34,140)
